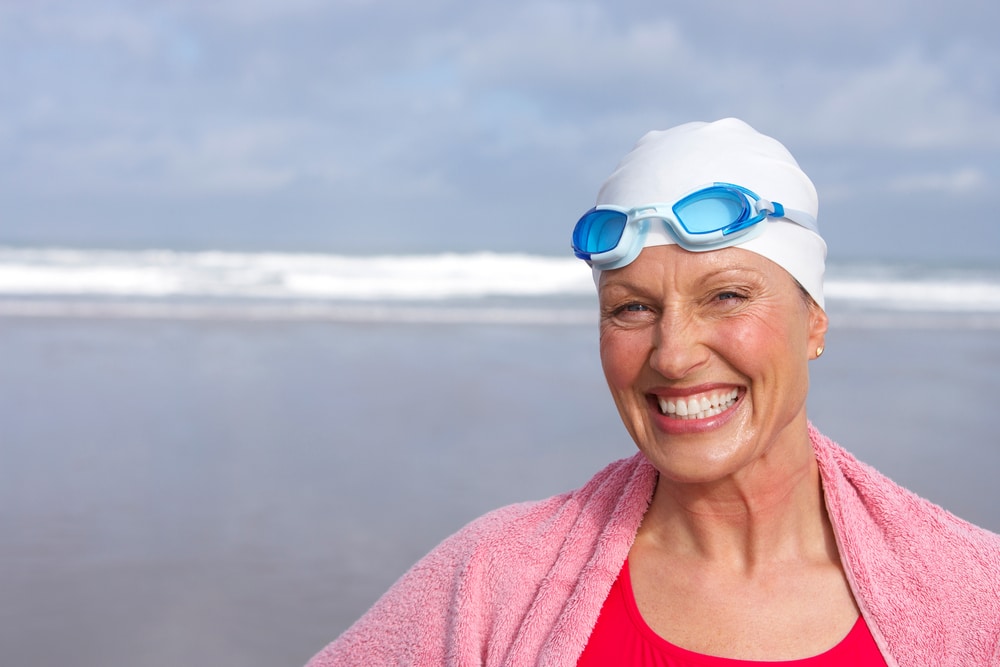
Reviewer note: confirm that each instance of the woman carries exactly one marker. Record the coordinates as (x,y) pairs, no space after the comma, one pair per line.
(738,532)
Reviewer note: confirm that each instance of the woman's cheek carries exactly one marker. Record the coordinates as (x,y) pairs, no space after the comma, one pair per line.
(622,356)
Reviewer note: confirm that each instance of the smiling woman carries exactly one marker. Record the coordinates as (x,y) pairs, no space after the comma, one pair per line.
(738,532)
(686,328)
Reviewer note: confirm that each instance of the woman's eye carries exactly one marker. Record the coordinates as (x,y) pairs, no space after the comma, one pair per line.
(633,308)
(726,296)
(628,309)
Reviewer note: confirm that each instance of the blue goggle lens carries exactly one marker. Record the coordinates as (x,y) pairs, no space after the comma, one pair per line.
(712,210)
(598,231)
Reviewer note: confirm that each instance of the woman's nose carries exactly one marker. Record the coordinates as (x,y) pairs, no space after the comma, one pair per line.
(678,348)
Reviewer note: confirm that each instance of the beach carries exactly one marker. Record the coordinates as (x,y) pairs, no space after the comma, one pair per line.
(231,492)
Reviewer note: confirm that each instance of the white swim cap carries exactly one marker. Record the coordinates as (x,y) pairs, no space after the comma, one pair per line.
(666,165)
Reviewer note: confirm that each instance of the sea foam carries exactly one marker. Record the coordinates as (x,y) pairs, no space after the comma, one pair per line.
(448,287)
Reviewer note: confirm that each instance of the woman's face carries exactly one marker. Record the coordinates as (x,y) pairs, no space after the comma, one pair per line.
(706,356)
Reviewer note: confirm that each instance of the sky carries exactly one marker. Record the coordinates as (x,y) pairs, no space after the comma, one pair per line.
(396,126)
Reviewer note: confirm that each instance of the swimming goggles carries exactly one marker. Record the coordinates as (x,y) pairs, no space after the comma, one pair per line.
(715,216)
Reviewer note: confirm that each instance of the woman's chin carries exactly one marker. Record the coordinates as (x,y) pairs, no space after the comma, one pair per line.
(693,451)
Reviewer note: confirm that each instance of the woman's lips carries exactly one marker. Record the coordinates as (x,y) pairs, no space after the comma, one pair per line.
(696,409)
(698,406)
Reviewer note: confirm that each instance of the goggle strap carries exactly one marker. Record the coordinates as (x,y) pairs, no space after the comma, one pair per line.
(776,210)
(773,209)
(801,218)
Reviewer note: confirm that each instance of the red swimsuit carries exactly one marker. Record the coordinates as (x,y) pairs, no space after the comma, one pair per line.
(621,637)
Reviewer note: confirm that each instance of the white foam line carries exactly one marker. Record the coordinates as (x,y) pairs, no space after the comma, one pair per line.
(287,312)
(924,321)
(371,313)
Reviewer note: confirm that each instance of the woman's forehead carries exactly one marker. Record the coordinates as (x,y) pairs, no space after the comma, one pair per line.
(673,263)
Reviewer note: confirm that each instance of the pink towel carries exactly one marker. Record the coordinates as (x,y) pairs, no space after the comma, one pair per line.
(524,585)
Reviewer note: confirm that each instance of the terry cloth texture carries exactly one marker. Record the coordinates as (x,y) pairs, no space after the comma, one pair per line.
(524,585)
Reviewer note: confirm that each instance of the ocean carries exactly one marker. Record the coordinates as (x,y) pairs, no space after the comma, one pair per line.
(224,458)
(447,288)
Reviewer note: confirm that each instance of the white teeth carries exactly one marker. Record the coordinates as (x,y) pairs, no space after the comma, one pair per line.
(699,407)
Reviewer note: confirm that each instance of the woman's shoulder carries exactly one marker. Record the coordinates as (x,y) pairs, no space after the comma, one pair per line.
(533,525)
(484,577)
(897,510)
(890,534)
(930,580)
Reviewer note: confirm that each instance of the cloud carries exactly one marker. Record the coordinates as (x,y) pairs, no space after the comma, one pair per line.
(910,102)
(525,105)
(958,182)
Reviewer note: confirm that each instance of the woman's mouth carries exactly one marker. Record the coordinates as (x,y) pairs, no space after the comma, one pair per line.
(700,406)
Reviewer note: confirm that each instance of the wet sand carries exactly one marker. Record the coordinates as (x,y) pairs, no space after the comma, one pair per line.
(238,493)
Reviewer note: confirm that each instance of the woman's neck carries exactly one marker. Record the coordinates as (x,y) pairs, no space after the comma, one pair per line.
(756,518)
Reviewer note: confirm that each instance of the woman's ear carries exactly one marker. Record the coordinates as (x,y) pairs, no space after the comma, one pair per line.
(818,323)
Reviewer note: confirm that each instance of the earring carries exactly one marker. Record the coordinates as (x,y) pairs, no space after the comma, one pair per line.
(819,351)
